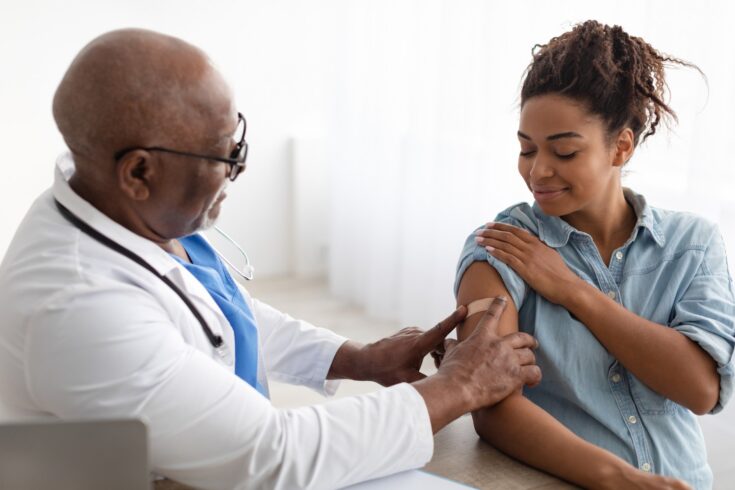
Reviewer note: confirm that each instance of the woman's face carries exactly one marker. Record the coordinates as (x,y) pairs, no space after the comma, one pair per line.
(565,156)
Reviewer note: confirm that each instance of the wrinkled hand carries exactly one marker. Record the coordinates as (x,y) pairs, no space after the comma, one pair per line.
(490,367)
(539,265)
(398,358)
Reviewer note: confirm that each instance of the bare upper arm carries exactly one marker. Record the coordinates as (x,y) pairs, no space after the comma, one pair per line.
(481,280)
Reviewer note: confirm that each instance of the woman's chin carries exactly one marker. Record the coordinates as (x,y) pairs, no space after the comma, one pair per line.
(553,208)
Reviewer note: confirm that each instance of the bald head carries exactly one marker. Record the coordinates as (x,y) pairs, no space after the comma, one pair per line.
(137,88)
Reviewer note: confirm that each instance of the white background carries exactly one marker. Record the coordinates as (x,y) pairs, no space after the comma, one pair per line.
(381,132)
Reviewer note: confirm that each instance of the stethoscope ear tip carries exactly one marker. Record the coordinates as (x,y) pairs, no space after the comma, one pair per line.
(248,272)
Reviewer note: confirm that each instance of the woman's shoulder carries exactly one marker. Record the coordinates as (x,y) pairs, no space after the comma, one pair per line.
(522,215)
(684,226)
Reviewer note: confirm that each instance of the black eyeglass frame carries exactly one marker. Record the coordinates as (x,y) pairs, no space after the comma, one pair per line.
(236,160)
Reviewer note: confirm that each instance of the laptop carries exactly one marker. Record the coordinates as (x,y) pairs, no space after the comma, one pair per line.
(108,455)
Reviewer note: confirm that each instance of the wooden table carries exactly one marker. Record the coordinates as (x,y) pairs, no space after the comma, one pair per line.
(461,456)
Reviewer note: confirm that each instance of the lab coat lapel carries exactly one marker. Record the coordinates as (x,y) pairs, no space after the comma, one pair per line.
(202,299)
(161,261)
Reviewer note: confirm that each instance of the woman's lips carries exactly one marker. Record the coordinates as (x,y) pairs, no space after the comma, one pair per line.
(547,195)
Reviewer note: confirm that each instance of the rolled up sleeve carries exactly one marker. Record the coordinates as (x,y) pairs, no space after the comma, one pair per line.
(472,252)
(706,314)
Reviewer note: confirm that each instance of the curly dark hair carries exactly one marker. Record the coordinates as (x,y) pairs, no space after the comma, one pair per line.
(618,77)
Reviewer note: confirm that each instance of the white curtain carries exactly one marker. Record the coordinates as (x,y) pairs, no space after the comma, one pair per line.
(422,140)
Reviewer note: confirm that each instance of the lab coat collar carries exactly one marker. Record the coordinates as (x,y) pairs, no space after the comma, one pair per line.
(146,249)
(158,258)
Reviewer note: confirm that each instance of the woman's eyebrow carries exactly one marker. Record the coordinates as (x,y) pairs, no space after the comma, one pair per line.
(568,134)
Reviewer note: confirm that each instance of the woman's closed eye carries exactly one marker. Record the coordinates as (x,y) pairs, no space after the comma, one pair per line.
(566,156)
(563,156)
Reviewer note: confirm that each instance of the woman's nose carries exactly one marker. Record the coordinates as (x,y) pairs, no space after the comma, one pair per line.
(540,168)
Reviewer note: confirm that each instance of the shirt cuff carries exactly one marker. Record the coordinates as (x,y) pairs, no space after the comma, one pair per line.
(424,443)
(329,386)
(324,358)
(727,375)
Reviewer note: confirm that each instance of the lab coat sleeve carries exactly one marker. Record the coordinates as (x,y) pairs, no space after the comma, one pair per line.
(294,351)
(113,353)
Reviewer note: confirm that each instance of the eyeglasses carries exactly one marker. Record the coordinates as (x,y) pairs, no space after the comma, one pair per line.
(236,160)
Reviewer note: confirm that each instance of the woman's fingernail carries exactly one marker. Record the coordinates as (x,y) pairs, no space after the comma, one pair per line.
(478,239)
(489,248)
(490,224)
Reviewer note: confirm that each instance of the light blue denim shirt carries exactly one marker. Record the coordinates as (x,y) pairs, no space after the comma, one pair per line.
(672,271)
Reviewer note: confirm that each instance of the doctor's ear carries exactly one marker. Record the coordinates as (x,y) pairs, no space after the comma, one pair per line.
(134,172)
(623,147)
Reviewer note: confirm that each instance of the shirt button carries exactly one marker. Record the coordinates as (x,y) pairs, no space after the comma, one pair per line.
(611,294)
(615,378)
(646,467)
(619,255)
(632,419)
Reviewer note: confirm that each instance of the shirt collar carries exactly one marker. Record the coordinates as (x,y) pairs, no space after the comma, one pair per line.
(146,249)
(556,232)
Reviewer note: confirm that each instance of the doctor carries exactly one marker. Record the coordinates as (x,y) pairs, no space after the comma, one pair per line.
(111,304)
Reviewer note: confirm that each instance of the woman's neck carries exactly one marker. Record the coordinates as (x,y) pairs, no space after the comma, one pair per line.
(609,222)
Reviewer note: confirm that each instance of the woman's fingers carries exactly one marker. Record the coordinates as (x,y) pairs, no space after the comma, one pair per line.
(484,235)
(520,233)
(506,247)
(513,261)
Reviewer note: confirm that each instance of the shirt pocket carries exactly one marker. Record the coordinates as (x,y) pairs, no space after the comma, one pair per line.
(648,401)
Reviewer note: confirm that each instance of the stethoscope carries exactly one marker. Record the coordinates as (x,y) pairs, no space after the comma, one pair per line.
(247,272)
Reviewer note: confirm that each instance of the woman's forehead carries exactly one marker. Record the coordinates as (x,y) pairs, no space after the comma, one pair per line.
(544,116)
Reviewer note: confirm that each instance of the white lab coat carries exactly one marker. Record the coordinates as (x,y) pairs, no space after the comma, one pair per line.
(85,333)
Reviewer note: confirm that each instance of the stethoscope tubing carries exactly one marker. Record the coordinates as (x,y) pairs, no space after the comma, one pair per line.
(216,340)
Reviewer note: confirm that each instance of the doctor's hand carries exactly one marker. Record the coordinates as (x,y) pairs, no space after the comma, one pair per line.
(394,359)
(480,371)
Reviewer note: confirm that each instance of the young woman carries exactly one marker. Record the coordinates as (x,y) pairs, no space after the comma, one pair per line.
(632,305)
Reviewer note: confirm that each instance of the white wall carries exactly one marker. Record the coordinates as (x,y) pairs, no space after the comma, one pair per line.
(273,53)
(425,143)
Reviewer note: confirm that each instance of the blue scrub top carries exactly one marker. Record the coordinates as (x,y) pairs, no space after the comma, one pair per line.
(207,267)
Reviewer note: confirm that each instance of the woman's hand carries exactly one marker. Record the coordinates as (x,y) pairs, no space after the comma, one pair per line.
(539,265)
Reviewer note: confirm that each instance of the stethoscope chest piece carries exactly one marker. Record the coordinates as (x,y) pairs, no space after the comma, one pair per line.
(225,353)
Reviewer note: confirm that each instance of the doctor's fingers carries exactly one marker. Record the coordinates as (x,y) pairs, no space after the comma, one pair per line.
(438,353)
(531,375)
(525,357)
(520,340)
(488,324)
(435,336)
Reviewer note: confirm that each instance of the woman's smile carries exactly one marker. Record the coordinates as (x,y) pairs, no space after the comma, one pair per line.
(545,194)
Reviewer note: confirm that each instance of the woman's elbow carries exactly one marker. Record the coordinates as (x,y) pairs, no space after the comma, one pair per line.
(490,422)
(706,397)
